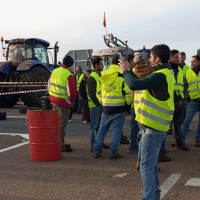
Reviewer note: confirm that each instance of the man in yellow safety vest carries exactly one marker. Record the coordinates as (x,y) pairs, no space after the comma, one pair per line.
(179,89)
(79,77)
(154,113)
(114,95)
(192,84)
(62,91)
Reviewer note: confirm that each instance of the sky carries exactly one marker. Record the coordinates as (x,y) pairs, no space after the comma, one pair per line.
(78,24)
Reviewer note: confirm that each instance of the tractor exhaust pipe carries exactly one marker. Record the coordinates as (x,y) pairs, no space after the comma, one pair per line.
(56,48)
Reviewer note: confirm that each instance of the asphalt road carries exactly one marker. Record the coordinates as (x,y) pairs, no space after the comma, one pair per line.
(79,176)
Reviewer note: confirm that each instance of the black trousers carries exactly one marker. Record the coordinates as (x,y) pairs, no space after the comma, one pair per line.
(177,123)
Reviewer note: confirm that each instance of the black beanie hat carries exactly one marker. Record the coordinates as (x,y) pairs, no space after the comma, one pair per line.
(68,61)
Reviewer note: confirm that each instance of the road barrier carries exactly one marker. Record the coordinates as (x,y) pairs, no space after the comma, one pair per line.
(22,84)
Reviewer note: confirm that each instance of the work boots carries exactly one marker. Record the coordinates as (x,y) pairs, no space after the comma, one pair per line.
(163,158)
(197,143)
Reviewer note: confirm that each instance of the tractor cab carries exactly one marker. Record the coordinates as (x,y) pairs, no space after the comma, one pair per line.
(20,50)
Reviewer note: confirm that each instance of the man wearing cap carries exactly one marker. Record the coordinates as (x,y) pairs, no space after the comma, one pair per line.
(62,91)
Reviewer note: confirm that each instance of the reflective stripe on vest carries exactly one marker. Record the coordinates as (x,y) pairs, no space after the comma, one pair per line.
(137,99)
(154,113)
(96,77)
(193,84)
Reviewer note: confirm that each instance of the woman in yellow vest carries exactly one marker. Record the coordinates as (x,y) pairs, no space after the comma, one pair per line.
(154,113)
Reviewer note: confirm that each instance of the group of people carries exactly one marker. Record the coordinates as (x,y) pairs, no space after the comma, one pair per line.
(157,93)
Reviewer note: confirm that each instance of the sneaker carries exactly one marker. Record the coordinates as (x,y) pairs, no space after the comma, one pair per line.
(116,156)
(67,149)
(124,141)
(197,143)
(78,112)
(68,145)
(132,151)
(70,120)
(105,146)
(138,165)
(183,148)
(85,122)
(96,155)
(163,158)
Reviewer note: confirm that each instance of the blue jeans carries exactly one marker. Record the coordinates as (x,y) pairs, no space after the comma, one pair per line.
(162,149)
(191,111)
(150,147)
(95,117)
(185,102)
(117,122)
(79,102)
(134,129)
(141,130)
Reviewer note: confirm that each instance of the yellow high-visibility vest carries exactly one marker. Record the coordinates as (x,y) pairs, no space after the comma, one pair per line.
(78,80)
(193,84)
(58,82)
(179,84)
(154,113)
(111,88)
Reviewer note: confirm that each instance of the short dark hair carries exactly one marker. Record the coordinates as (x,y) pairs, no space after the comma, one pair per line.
(173,52)
(88,70)
(162,51)
(130,57)
(115,60)
(96,60)
(197,57)
(182,53)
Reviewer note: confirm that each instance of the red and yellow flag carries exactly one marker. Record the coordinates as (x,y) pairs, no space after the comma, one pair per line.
(104,20)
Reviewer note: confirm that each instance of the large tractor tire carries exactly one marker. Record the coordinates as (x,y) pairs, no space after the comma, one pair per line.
(35,74)
(7,101)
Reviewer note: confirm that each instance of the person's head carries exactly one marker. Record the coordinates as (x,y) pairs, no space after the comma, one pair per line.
(159,54)
(97,63)
(137,60)
(115,60)
(106,57)
(182,58)
(78,70)
(87,73)
(195,62)
(174,57)
(68,61)
(130,58)
(147,59)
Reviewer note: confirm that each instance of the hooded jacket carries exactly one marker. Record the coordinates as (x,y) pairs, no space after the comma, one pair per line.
(112,91)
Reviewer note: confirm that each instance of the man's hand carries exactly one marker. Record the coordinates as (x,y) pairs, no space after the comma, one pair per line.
(123,65)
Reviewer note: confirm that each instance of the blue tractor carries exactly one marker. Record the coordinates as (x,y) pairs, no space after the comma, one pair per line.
(26,61)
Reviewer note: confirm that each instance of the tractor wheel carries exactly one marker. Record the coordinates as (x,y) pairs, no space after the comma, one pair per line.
(35,74)
(7,101)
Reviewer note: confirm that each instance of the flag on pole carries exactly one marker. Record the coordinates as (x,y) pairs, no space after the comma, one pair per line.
(104,20)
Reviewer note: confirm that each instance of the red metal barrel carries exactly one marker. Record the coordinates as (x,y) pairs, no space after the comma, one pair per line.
(44,135)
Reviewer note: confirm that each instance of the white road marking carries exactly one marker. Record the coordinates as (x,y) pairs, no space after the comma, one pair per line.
(168,184)
(18,117)
(193,182)
(26,136)
(13,147)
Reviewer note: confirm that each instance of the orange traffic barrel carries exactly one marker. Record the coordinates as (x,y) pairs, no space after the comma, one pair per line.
(44,135)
